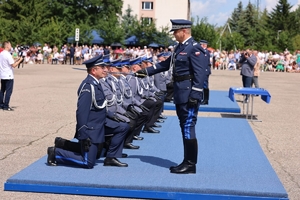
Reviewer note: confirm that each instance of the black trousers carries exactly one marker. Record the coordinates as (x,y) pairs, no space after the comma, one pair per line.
(6,91)
(155,110)
(142,119)
(170,92)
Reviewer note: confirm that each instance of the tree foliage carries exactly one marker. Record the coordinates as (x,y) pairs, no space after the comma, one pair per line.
(261,30)
(53,21)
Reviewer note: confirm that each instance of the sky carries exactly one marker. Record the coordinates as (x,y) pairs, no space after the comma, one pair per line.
(218,11)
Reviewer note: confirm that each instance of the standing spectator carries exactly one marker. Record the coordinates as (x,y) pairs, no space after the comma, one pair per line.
(256,70)
(7,64)
(45,52)
(72,53)
(78,56)
(248,61)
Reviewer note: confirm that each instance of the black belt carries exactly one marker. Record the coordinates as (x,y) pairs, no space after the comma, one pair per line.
(182,78)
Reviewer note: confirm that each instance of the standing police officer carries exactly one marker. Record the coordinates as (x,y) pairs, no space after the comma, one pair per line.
(189,64)
(203,44)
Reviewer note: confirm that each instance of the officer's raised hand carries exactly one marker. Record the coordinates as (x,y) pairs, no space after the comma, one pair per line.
(141,73)
(192,102)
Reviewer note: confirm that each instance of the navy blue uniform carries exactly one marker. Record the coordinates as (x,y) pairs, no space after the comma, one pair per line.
(207,70)
(189,74)
(91,117)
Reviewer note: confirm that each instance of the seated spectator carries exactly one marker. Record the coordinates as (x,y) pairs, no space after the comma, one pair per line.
(280,65)
(274,64)
(231,62)
(268,64)
(61,57)
(55,58)
(39,57)
(86,56)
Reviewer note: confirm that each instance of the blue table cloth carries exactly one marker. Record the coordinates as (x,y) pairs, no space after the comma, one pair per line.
(265,95)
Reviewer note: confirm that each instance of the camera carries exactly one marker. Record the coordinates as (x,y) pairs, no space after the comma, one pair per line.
(22,49)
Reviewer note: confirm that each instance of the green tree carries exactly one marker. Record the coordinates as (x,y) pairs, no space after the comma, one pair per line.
(235,17)
(129,22)
(202,30)
(281,18)
(247,25)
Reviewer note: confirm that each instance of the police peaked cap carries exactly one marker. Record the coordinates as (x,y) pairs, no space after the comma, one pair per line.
(136,61)
(116,63)
(106,58)
(149,59)
(125,62)
(167,54)
(160,54)
(180,24)
(96,61)
(203,42)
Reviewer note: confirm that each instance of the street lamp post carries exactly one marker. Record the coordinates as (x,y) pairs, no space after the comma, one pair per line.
(278,34)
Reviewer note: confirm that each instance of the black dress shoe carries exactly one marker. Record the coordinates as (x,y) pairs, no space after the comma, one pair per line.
(130,146)
(124,155)
(160,121)
(184,168)
(137,137)
(156,125)
(8,109)
(150,130)
(51,156)
(204,102)
(162,117)
(114,162)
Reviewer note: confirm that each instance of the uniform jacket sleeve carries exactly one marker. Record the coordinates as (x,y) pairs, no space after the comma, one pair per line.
(83,109)
(159,67)
(199,63)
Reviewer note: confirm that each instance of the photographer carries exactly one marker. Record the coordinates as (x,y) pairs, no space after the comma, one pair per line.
(248,61)
(22,53)
(7,64)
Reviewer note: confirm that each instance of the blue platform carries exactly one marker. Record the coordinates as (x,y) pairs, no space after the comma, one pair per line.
(231,165)
(219,101)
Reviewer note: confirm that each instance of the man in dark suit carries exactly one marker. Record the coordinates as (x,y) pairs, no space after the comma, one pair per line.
(72,53)
(203,44)
(91,117)
(189,64)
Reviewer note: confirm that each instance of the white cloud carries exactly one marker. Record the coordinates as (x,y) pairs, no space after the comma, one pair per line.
(270,4)
(219,18)
(296,6)
(221,1)
(209,9)
(198,7)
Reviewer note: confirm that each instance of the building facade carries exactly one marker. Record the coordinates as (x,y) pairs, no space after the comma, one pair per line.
(160,11)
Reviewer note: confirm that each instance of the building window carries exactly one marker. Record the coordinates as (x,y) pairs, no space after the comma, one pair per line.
(147,20)
(147,5)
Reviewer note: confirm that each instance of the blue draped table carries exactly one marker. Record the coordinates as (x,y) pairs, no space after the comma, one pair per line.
(265,95)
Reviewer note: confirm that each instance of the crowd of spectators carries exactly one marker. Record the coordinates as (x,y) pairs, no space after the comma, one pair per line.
(76,55)
(269,61)
(221,60)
